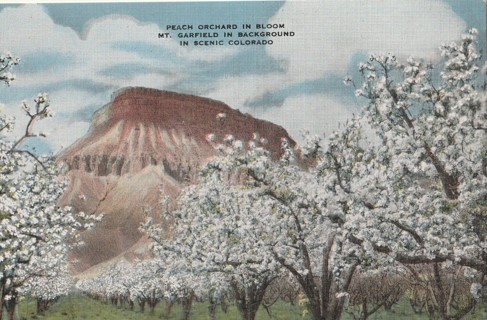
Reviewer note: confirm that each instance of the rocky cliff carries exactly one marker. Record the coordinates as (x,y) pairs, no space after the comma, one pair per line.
(142,143)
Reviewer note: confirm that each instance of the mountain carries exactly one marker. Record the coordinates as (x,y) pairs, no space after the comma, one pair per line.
(143,143)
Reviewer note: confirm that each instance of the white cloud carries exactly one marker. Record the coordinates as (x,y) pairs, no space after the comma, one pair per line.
(236,91)
(316,113)
(329,32)
(72,100)
(113,28)
(28,29)
(66,133)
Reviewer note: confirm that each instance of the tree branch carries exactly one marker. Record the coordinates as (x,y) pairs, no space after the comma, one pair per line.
(407,229)
(419,259)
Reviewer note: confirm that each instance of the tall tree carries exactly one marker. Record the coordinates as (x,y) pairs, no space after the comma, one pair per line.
(34,230)
(419,194)
(213,236)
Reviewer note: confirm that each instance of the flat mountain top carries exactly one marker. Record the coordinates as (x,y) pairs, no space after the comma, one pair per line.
(143,144)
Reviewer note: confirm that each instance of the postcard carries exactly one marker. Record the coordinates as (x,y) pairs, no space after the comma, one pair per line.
(120,121)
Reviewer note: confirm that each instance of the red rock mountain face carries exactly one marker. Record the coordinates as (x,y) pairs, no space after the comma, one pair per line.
(142,143)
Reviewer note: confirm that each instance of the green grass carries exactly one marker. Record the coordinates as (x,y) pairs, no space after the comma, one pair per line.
(80,307)
(403,311)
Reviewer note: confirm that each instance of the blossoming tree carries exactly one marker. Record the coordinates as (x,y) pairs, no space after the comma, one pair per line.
(213,238)
(419,193)
(35,233)
(412,192)
(252,218)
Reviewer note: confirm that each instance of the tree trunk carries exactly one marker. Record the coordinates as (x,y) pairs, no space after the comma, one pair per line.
(153,301)
(224,305)
(365,310)
(41,305)
(187,303)
(213,305)
(212,311)
(152,306)
(249,299)
(324,304)
(388,306)
(168,307)
(10,306)
(44,305)
(3,282)
(142,305)
(314,306)
(11,314)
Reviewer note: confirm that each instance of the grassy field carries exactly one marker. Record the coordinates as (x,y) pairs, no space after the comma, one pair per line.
(80,307)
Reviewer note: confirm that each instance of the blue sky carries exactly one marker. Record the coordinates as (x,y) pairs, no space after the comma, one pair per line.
(81,53)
